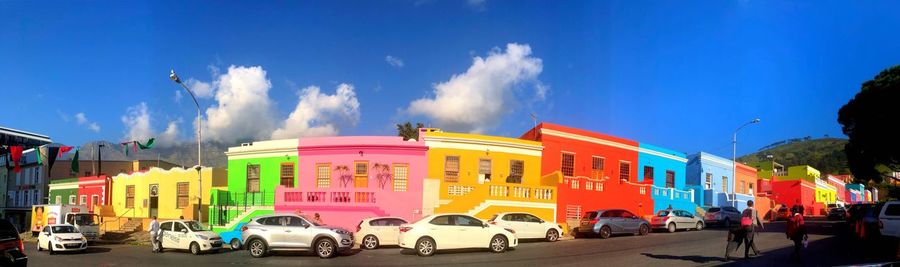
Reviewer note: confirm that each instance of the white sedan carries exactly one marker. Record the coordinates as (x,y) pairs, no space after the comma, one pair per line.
(527,225)
(190,235)
(454,231)
(379,231)
(61,237)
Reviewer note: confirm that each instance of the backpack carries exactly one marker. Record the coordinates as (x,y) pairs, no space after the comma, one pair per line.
(747,218)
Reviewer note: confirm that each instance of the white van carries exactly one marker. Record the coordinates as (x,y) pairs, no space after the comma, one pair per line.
(889,219)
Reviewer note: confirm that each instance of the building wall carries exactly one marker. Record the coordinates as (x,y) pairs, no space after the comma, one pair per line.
(607,190)
(269,155)
(480,198)
(663,160)
(839,186)
(746,182)
(167,181)
(63,189)
(804,172)
(795,192)
(345,203)
(701,164)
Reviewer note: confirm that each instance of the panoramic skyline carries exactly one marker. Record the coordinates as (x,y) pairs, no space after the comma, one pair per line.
(677,75)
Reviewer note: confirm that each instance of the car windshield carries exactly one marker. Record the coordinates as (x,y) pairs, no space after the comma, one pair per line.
(714,209)
(64,229)
(310,220)
(195,226)
(86,219)
(663,213)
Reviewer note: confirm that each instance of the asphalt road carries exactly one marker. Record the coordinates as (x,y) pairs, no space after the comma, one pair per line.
(692,248)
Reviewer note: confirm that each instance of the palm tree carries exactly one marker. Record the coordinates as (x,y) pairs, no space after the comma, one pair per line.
(383,173)
(344,174)
(407,131)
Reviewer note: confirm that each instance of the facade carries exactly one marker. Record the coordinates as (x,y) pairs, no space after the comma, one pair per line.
(598,171)
(840,186)
(255,169)
(711,177)
(825,194)
(855,193)
(347,179)
(484,175)
(91,191)
(26,188)
(167,194)
(797,185)
(665,170)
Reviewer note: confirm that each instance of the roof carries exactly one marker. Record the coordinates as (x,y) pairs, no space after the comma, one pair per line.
(14,137)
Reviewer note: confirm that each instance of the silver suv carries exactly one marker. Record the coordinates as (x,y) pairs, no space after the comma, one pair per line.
(290,232)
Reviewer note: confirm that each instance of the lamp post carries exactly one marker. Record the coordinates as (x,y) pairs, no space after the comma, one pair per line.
(177,80)
(734,162)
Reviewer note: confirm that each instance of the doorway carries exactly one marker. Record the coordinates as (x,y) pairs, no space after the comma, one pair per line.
(154,200)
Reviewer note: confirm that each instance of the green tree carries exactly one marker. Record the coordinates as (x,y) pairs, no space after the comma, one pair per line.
(407,131)
(869,120)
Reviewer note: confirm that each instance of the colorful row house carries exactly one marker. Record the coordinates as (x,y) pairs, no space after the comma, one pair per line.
(347,179)
(712,177)
(826,194)
(840,184)
(91,191)
(255,170)
(796,186)
(484,175)
(665,170)
(597,171)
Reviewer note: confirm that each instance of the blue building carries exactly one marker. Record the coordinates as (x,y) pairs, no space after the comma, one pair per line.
(665,169)
(712,177)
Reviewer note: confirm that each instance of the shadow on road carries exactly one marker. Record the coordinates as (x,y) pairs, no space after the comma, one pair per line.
(694,258)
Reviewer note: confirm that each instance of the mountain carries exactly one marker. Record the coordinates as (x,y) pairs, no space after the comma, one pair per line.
(184,154)
(824,154)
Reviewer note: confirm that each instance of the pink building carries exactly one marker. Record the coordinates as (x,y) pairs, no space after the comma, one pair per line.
(349,178)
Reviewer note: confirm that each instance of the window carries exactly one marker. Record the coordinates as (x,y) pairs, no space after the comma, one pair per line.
(166,226)
(182,193)
(742,189)
(484,169)
(253,178)
(708,184)
(597,163)
(568,164)
(648,173)
(287,175)
(626,214)
(95,200)
(294,221)
(441,220)
(643,190)
(516,170)
(58,200)
(724,183)
(573,212)
(751,189)
(892,210)
(451,169)
(670,179)
(574,184)
(588,185)
(599,187)
(468,221)
(82,200)
(401,177)
(624,170)
(179,227)
(323,175)
(361,174)
(129,197)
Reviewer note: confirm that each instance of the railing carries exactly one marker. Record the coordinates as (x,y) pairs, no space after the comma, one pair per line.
(291,196)
(519,192)
(673,193)
(226,205)
(118,225)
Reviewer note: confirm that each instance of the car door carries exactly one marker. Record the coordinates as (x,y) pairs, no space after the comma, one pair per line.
(296,233)
(614,220)
(272,229)
(515,221)
(44,238)
(533,225)
(890,219)
(443,231)
(168,241)
(180,233)
(630,223)
(472,233)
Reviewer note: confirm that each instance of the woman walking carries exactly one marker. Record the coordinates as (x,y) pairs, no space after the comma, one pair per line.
(749,221)
(796,231)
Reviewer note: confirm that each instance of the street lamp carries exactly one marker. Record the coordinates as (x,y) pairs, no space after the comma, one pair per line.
(734,162)
(199,121)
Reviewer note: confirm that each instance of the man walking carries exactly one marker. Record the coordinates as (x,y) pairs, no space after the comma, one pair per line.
(751,214)
(154,232)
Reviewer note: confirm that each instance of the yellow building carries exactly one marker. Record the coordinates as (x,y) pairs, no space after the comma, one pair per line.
(167,194)
(804,172)
(825,193)
(484,175)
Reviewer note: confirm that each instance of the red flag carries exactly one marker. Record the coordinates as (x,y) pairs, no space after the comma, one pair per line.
(64,149)
(135,146)
(16,152)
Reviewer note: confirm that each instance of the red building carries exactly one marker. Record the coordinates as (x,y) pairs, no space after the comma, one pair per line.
(96,189)
(599,171)
(793,192)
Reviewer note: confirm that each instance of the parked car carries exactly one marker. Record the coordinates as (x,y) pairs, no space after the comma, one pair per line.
(189,235)
(608,222)
(233,237)
(455,231)
(291,232)
(838,213)
(61,237)
(672,220)
(12,249)
(527,225)
(379,231)
(724,216)
(783,214)
(866,215)
(889,219)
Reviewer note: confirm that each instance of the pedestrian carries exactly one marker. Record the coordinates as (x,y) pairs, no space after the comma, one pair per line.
(318,219)
(796,231)
(749,221)
(736,237)
(154,234)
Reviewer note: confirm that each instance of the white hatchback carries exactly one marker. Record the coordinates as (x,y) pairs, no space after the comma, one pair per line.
(527,225)
(454,231)
(61,237)
(189,235)
(379,231)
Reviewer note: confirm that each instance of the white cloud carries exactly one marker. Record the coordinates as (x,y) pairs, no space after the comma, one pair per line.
(170,135)
(394,61)
(476,100)
(178,96)
(244,110)
(200,89)
(319,114)
(82,119)
(137,122)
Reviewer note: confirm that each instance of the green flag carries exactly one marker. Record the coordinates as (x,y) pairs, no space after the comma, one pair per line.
(149,144)
(75,163)
(39,160)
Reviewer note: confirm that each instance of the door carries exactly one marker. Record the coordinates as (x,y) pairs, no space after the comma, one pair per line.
(890,218)
(296,233)
(444,232)
(180,236)
(615,221)
(630,222)
(272,228)
(472,233)
(44,238)
(154,200)
(533,226)
(168,240)
(515,221)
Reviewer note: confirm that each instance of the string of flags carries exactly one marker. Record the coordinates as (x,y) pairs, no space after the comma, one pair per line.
(137,144)
(52,153)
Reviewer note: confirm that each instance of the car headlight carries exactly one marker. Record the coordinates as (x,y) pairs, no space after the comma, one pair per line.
(340,231)
(58,239)
(202,237)
(83,239)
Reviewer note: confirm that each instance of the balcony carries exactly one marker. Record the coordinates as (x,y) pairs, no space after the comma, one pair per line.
(297,196)
(508,192)
(673,194)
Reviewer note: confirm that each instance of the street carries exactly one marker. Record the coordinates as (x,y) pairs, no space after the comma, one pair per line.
(692,248)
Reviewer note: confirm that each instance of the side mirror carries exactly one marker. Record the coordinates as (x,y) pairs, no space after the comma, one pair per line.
(484,225)
(305,225)
(542,221)
(47,234)
(184,231)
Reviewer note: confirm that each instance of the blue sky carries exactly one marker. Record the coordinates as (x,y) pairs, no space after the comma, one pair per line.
(681,75)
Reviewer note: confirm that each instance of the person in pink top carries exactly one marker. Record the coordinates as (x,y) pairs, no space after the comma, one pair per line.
(796,231)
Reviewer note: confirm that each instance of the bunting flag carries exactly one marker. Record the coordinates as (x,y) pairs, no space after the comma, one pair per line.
(37,150)
(52,153)
(125,148)
(64,150)
(75,163)
(16,155)
(134,143)
(149,144)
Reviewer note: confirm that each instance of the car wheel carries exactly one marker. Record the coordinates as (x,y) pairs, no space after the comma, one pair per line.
(499,244)
(425,247)
(235,244)
(325,248)
(699,226)
(605,232)
(576,234)
(552,235)
(257,248)
(370,242)
(671,227)
(727,222)
(195,248)
(644,230)
(50,248)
